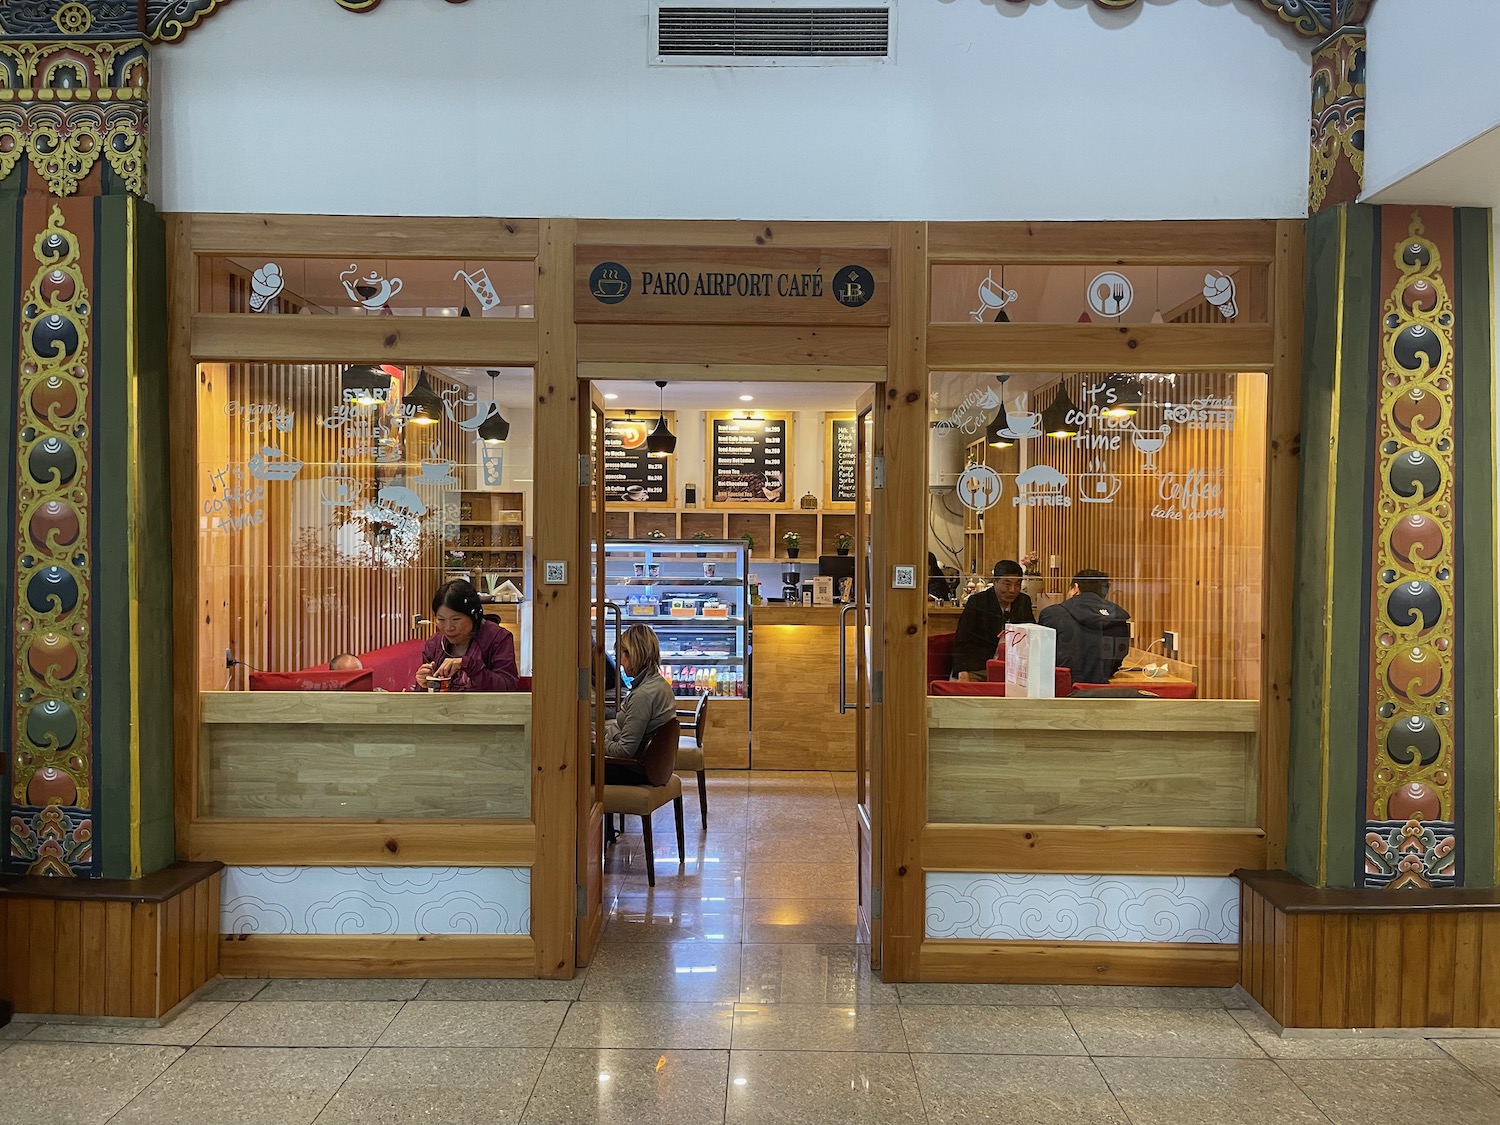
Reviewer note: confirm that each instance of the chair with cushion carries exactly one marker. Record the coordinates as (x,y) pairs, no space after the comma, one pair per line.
(940,655)
(690,751)
(659,784)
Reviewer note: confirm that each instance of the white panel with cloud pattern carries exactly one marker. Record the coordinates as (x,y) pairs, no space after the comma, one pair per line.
(1082,908)
(376,900)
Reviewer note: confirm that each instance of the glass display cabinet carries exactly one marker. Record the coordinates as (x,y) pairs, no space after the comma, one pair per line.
(696,595)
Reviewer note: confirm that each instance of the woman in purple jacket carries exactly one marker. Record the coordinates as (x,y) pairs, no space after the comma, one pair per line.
(472,654)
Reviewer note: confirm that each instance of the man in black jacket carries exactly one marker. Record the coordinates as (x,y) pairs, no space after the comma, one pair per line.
(1093,633)
(985,617)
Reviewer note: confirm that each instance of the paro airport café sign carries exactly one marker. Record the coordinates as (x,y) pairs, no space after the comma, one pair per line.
(731,285)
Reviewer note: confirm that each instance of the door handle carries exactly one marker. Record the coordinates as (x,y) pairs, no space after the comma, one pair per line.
(844,705)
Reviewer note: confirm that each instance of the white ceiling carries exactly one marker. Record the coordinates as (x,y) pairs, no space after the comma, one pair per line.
(1469,176)
(726,396)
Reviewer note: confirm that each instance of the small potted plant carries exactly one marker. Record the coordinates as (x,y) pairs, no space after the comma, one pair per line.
(701,537)
(793,543)
(658,533)
(749,541)
(1031,575)
(842,542)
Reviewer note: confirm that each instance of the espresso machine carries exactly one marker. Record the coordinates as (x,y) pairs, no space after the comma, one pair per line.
(791,585)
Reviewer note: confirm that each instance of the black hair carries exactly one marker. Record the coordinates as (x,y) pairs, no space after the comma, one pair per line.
(1008,568)
(933,566)
(1092,582)
(461,597)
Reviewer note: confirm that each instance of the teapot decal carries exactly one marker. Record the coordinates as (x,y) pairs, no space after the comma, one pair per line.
(371,290)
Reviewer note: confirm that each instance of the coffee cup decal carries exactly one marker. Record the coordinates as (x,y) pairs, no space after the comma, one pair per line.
(370,290)
(339,490)
(1218,290)
(480,285)
(1020,422)
(437,470)
(1098,486)
(266,285)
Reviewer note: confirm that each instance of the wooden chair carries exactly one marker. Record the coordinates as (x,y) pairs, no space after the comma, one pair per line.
(659,784)
(690,752)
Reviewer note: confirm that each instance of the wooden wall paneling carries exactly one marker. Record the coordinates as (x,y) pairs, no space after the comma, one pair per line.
(145,959)
(1417,952)
(17,950)
(794,724)
(475,341)
(1388,970)
(560,612)
(42,915)
(1071,849)
(1365,968)
(1467,938)
(1147,964)
(1441,962)
(1283,469)
(1305,974)
(731,372)
(119,936)
(898,726)
(1137,347)
(67,953)
(1333,985)
(170,939)
(1489,971)
(1161,243)
(384,843)
(1278,943)
(733,233)
(92,958)
(783,351)
(434,956)
(340,235)
(726,734)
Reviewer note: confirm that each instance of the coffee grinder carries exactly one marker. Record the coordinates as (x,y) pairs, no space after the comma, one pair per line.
(791,585)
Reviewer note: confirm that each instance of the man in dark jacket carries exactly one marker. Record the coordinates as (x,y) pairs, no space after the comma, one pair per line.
(985,617)
(1093,633)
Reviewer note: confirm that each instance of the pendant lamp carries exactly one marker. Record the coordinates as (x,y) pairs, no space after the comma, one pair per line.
(661,442)
(363,384)
(428,407)
(1127,396)
(494,429)
(997,435)
(1055,418)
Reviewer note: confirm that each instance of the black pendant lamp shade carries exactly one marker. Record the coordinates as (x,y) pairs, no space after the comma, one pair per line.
(428,407)
(997,435)
(1055,418)
(1127,396)
(494,429)
(661,442)
(364,384)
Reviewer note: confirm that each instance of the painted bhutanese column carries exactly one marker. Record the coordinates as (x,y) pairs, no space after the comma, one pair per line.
(86,620)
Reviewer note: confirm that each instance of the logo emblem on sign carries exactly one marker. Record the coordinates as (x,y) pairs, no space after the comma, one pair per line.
(609,283)
(853,286)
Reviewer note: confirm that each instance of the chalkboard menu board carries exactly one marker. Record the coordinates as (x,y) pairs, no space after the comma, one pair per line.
(748,460)
(842,460)
(631,475)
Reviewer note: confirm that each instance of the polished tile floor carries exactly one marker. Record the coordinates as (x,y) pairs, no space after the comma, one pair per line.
(733,992)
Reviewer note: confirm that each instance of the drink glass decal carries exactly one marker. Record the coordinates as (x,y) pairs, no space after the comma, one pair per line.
(480,285)
(1150,442)
(491,464)
(992,298)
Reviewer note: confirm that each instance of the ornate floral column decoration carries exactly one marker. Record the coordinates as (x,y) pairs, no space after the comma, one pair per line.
(1337,168)
(1412,757)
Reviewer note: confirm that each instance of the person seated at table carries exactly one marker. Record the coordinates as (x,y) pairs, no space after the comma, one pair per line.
(937,581)
(345,662)
(985,616)
(1093,633)
(470,652)
(649,704)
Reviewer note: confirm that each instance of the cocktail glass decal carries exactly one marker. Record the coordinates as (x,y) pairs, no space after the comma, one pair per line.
(1110,293)
(1218,290)
(266,285)
(480,285)
(370,290)
(992,297)
(1149,442)
(979,488)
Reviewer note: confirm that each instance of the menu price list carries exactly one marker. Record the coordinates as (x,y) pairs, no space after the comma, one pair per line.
(844,463)
(631,474)
(749,460)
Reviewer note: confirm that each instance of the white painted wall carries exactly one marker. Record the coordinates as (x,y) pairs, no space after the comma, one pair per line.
(1432,83)
(1054,109)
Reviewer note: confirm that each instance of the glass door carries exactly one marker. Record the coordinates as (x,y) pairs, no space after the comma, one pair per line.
(592,714)
(868,657)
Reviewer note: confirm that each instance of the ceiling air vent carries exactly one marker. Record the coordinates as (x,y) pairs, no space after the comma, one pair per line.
(771,34)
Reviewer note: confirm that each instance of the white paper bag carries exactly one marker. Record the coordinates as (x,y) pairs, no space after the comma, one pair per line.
(1030,657)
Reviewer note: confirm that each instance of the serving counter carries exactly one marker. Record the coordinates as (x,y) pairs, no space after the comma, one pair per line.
(794,720)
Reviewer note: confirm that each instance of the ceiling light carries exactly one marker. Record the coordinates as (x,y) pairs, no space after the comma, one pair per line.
(747,398)
(1055,421)
(997,435)
(428,408)
(364,384)
(1126,397)
(661,442)
(494,429)
(611,397)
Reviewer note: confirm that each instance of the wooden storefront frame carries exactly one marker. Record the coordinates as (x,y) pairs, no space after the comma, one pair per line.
(898,359)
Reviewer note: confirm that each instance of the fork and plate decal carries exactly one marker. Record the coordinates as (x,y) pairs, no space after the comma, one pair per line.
(1110,293)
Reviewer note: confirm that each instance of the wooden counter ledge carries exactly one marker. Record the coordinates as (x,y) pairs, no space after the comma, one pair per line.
(797,615)
(491,708)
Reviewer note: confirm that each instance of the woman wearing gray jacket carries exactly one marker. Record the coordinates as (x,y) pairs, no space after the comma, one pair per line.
(649,705)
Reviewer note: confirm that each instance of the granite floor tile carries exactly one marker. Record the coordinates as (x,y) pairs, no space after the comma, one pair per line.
(610,1087)
(822,1088)
(232,989)
(679,916)
(464,1023)
(303,1023)
(1003,1029)
(75,1083)
(804,921)
(700,971)
(1163,1032)
(243,1086)
(337,989)
(1339,1045)
(781,881)
(15,1030)
(647,1024)
(191,1025)
(1016,1089)
(813,1027)
(1356,1093)
(1481,1057)
(450,1086)
(487,989)
(1113,996)
(1043,994)
(1194,1091)
(788,973)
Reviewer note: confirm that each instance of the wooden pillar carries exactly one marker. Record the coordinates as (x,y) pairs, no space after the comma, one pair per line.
(1392,746)
(87,629)
(1336,170)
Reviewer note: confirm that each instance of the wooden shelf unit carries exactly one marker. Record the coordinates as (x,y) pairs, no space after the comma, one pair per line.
(818,528)
(491,532)
(987,540)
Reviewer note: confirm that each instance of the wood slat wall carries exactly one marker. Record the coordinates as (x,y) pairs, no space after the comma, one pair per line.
(1400,968)
(109,958)
(1201,578)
